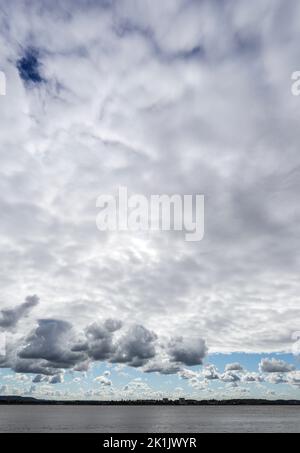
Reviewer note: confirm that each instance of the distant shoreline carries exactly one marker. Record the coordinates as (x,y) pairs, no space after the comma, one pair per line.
(18,400)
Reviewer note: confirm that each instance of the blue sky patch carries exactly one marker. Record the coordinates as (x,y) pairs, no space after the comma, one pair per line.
(29,67)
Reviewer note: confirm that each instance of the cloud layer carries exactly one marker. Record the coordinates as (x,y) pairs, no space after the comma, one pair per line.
(192,97)
(56,348)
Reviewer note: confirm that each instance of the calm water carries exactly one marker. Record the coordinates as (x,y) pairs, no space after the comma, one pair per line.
(109,419)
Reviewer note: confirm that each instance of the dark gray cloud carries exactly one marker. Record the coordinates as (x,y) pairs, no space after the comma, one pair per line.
(100,339)
(51,342)
(54,346)
(136,347)
(188,351)
(39,378)
(33,366)
(10,317)
(57,379)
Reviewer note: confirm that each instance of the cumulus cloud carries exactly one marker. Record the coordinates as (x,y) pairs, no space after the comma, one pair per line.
(57,379)
(188,351)
(252,377)
(275,366)
(276,378)
(211,373)
(55,345)
(39,378)
(230,377)
(162,367)
(51,342)
(103,380)
(234,367)
(136,347)
(100,339)
(293,378)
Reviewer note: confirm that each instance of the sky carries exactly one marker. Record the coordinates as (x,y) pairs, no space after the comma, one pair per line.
(188,97)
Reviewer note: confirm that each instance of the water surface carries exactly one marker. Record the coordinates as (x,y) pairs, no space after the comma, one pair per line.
(149,419)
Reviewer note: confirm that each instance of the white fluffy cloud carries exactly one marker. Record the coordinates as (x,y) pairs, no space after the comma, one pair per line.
(103,381)
(234,367)
(275,366)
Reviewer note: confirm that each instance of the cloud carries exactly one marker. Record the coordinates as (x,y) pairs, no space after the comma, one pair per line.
(100,339)
(39,378)
(27,366)
(188,351)
(3,389)
(161,129)
(10,317)
(252,377)
(230,377)
(55,345)
(162,367)
(187,374)
(276,378)
(136,347)
(57,379)
(210,373)
(49,348)
(275,366)
(234,367)
(103,380)
(293,378)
